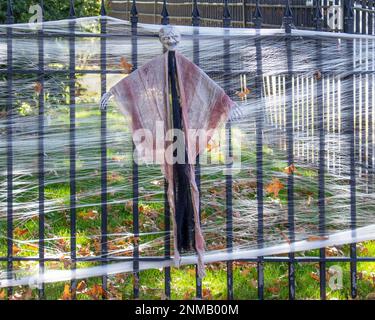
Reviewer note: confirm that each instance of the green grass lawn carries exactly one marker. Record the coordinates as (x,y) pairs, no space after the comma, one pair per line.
(151,204)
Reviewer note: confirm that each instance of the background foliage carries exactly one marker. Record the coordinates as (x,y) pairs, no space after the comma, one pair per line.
(54,9)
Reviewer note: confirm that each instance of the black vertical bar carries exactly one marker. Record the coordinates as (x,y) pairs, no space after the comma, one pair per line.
(288,18)
(364,15)
(72,145)
(229,164)
(321,170)
(9,133)
(370,14)
(259,147)
(167,213)
(195,16)
(134,42)
(288,22)
(41,152)
(227,19)
(195,22)
(352,159)
(318,17)
(258,18)
(348,16)
(164,14)
(103,143)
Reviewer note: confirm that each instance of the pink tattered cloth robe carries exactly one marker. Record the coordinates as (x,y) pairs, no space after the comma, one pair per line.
(144,95)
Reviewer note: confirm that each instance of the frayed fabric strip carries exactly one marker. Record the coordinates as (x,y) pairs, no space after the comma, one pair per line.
(104,100)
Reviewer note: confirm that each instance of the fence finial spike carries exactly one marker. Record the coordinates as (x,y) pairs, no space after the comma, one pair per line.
(195,14)
(9,14)
(103,12)
(134,14)
(318,16)
(258,18)
(164,14)
(72,11)
(227,19)
(288,17)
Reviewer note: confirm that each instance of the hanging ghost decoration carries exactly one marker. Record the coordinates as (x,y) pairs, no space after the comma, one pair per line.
(172,95)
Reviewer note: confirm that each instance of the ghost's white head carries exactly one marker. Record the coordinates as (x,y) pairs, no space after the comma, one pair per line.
(169,37)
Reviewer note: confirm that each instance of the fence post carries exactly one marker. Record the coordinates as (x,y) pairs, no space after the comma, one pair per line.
(195,14)
(259,150)
(164,14)
(196,22)
(349,16)
(258,18)
(103,142)
(41,152)
(72,145)
(9,134)
(318,17)
(288,17)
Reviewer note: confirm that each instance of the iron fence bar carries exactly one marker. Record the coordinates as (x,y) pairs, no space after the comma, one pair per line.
(257,18)
(227,19)
(229,160)
(196,58)
(103,144)
(321,169)
(72,145)
(135,171)
(195,21)
(164,14)
(288,22)
(370,17)
(352,150)
(318,17)
(209,72)
(348,16)
(299,259)
(167,214)
(9,137)
(41,152)
(364,16)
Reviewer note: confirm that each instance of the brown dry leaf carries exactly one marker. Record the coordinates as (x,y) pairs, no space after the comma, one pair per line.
(2,294)
(66,261)
(290,169)
(274,187)
(245,272)
(96,292)
(206,294)
(81,286)
(188,294)
(273,290)
(314,276)
(20,232)
(317,238)
(84,251)
(67,295)
(38,88)
(88,215)
(126,65)
(28,294)
(15,249)
(62,244)
(370,296)
(317,75)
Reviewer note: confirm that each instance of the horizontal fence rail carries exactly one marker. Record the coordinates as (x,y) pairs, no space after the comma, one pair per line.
(337,15)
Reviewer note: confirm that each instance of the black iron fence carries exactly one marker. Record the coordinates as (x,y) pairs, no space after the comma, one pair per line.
(242,13)
(315,17)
